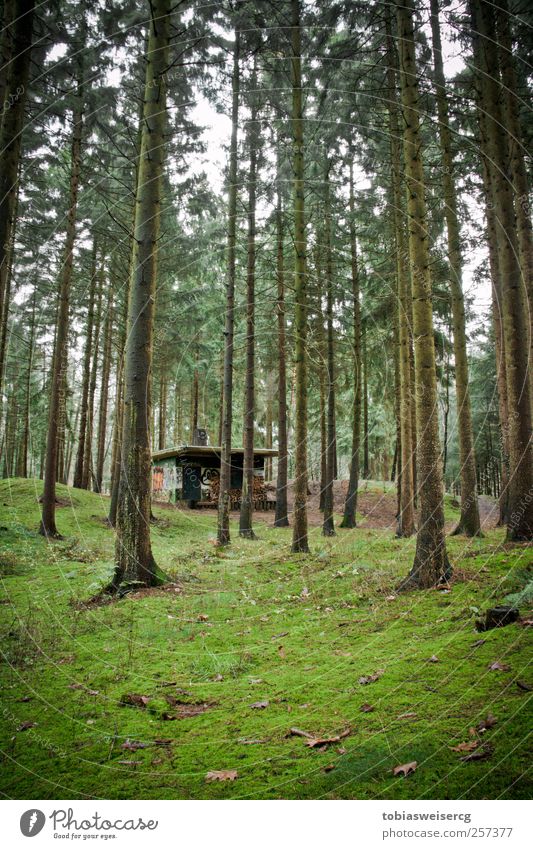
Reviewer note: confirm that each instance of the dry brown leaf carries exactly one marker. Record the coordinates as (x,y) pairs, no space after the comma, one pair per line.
(497,666)
(478,643)
(369,679)
(523,686)
(465,747)
(366,708)
(135,699)
(405,769)
(408,715)
(202,617)
(480,754)
(341,750)
(328,768)
(218,677)
(433,659)
(222,775)
(25,725)
(132,745)
(130,763)
(259,705)
(526,622)
(486,723)
(281,651)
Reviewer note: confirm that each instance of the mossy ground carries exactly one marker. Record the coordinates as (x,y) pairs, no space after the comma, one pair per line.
(253,623)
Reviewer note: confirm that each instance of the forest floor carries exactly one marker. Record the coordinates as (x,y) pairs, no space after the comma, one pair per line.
(145,696)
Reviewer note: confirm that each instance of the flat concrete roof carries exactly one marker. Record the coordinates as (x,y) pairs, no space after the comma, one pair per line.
(206,451)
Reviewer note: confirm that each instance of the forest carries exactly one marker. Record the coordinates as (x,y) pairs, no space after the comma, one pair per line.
(266,399)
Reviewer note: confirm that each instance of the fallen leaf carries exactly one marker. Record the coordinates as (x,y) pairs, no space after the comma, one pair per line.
(245,742)
(405,769)
(26,699)
(408,715)
(134,699)
(92,692)
(130,763)
(259,705)
(328,768)
(489,722)
(480,754)
(218,677)
(465,747)
(279,636)
(281,651)
(156,761)
(366,708)
(163,741)
(391,598)
(222,775)
(25,725)
(369,679)
(315,742)
(75,686)
(202,617)
(497,666)
(341,750)
(132,745)
(478,643)
(523,686)
(433,659)
(527,623)
(69,658)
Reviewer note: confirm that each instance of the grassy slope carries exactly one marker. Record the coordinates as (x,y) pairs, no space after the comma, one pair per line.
(340,624)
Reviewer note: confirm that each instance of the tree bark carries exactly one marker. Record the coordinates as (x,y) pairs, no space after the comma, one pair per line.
(469,519)
(223,533)
(17,41)
(104,395)
(406,518)
(48,520)
(282,517)
(88,467)
(134,561)
(299,539)
(328,524)
(78,470)
(431,565)
(350,505)
(245,519)
(514,299)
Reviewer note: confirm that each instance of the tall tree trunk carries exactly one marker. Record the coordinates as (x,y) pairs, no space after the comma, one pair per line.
(48,518)
(104,394)
(223,534)
(366,450)
(328,525)
(299,539)
(431,565)
(514,300)
(350,505)
(27,400)
(88,467)
(282,518)
(86,375)
(162,428)
(245,519)
(517,165)
(406,518)
(134,561)
(469,518)
(17,41)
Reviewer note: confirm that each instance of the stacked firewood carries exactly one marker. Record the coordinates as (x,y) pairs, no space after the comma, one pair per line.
(259,490)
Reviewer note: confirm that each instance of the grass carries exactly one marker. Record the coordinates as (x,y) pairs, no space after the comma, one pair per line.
(253,623)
